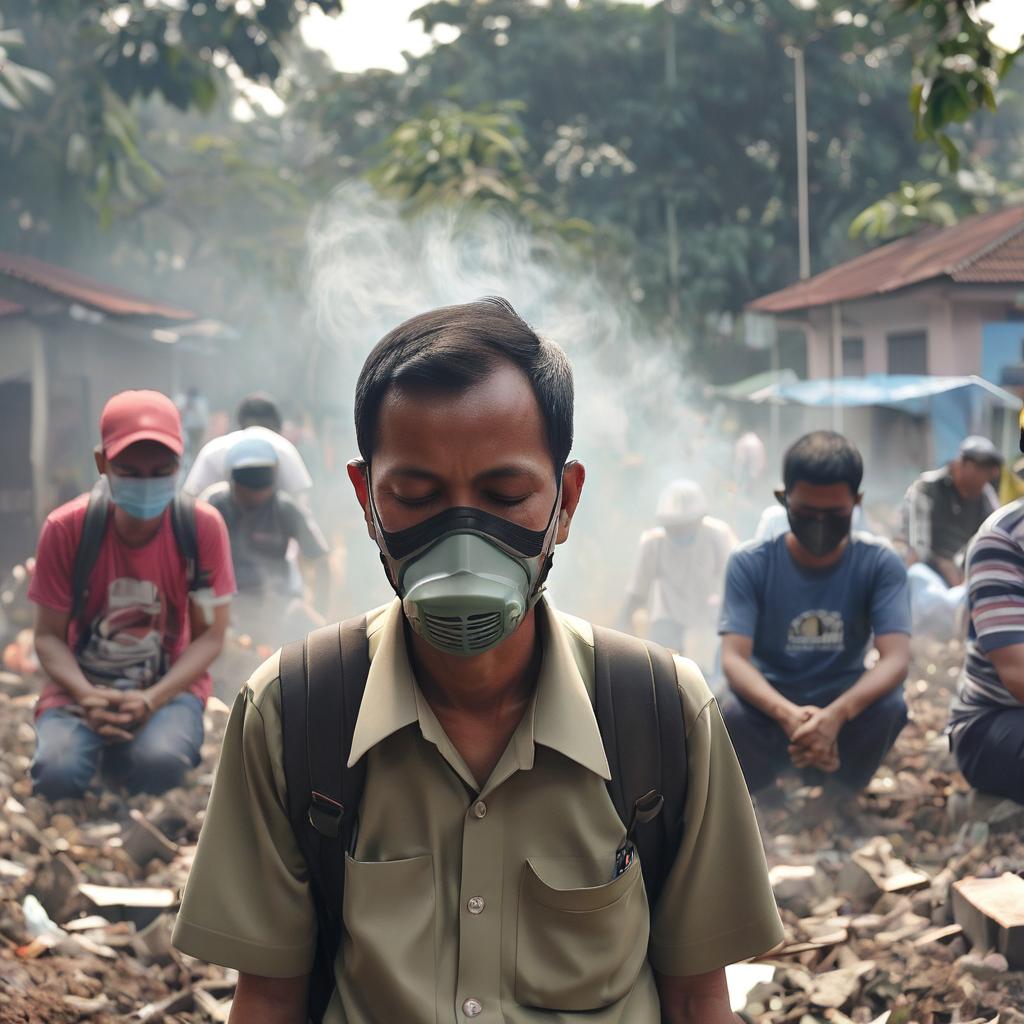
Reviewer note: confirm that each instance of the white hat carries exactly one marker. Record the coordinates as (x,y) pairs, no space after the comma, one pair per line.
(681,503)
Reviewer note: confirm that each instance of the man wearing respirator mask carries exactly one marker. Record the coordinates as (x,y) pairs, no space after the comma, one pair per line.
(800,613)
(488,874)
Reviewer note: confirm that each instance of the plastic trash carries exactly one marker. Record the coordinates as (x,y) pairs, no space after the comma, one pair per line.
(934,607)
(37,921)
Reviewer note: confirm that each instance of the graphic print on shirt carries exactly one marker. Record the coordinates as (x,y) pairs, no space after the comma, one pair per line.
(123,644)
(817,630)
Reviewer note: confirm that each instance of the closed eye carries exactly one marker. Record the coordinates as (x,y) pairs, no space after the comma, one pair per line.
(415,502)
(500,499)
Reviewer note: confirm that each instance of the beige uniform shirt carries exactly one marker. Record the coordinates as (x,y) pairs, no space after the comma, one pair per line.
(492,903)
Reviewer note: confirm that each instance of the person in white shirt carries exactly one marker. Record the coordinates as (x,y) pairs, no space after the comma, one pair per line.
(258,416)
(678,573)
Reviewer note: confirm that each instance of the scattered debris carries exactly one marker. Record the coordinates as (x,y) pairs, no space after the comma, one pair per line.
(868,891)
(88,890)
(867,887)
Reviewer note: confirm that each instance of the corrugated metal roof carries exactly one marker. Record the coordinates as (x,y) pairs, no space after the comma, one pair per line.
(1003,265)
(85,290)
(10,308)
(986,249)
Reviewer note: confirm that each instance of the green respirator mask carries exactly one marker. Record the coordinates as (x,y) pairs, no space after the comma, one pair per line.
(466,578)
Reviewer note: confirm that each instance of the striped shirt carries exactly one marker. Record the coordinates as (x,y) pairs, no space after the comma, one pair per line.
(995,599)
(937,521)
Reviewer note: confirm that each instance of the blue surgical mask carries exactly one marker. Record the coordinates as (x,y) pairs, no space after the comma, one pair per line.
(142,497)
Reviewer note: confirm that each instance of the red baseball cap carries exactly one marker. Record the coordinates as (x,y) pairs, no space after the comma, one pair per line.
(133,416)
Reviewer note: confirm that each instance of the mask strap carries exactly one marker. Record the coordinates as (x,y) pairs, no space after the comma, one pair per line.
(547,555)
(378,533)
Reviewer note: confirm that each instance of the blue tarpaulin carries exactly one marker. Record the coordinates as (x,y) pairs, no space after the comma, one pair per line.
(955,406)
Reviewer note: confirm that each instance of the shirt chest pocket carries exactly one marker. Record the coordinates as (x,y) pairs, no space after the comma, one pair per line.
(389,944)
(578,948)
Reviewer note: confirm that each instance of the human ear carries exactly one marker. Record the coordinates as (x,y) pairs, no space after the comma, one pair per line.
(573,477)
(359,476)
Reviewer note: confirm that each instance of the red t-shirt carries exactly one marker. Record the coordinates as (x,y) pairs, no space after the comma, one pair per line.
(137,612)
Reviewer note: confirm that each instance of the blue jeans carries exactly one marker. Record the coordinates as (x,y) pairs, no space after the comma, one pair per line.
(763,748)
(69,752)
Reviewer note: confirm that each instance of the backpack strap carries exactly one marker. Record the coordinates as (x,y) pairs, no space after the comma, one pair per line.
(640,716)
(94,527)
(183,522)
(322,682)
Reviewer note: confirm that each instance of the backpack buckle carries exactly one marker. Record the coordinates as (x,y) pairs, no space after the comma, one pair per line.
(646,809)
(325,815)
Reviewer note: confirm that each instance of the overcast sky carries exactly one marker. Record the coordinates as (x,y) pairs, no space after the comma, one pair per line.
(374,33)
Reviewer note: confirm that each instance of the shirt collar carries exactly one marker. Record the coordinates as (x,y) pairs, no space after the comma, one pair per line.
(561,716)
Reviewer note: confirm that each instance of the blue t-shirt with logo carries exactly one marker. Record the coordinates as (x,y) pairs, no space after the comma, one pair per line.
(812,628)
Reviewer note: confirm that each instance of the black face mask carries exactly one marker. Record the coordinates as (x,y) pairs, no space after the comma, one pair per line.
(256,478)
(820,534)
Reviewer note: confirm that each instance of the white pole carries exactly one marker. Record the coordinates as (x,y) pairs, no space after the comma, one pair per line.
(803,193)
(837,364)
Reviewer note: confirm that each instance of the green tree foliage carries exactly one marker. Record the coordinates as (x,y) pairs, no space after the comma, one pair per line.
(18,84)
(659,140)
(959,69)
(74,158)
(631,110)
(451,156)
(909,208)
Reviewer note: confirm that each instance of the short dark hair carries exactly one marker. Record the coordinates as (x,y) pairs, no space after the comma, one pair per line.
(451,349)
(823,457)
(259,408)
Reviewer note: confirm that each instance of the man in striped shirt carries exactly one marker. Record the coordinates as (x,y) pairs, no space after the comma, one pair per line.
(987,717)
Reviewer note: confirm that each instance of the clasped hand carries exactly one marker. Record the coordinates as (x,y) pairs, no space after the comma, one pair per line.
(813,734)
(116,714)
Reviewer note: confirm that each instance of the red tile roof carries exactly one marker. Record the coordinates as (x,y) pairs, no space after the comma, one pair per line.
(986,249)
(1002,265)
(85,290)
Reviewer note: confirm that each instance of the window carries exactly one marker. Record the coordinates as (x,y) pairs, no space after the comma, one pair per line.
(853,357)
(908,353)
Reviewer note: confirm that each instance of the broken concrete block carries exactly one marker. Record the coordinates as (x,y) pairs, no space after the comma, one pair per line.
(983,967)
(999,814)
(177,1002)
(56,886)
(214,1008)
(991,913)
(140,904)
(798,886)
(940,934)
(153,943)
(143,842)
(837,988)
(856,882)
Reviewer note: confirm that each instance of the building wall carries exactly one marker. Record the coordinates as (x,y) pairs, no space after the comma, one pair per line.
(952,315)
(87,363)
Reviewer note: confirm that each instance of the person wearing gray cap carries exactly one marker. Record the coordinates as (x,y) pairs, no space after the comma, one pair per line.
(943,508)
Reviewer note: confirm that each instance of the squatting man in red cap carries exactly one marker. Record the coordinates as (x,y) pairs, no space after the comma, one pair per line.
(132,585)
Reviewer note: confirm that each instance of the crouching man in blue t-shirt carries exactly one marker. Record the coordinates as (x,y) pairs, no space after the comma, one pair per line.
(799,616)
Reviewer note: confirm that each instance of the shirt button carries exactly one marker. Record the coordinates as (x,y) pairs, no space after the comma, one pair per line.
(472,1007)
(476,904)
(480,809)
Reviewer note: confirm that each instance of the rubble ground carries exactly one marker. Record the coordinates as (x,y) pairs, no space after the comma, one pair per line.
(88,889)
(865,891)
